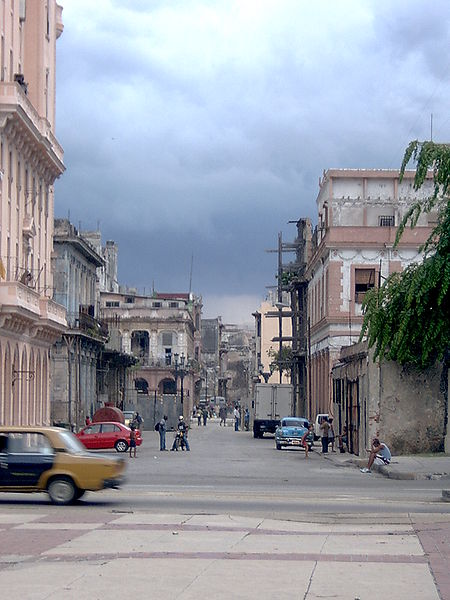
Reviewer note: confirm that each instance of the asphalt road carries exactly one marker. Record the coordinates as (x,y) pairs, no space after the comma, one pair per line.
(231,472)
(228,471)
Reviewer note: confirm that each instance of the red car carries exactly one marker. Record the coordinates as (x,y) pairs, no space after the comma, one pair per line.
(107,435)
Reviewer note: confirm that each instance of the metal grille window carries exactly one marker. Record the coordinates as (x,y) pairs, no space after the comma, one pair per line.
(364,281)
(387,221)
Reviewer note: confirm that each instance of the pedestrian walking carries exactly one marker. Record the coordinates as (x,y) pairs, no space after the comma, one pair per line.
(324,429)
(205,416)
(331,438)
(223,415)
(162,433)
(237,418)
(133,441)
(246,419)
(199,417)
(87,421)
(138,421)
(305,439)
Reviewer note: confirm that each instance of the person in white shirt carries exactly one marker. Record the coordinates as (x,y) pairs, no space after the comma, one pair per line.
(379,455)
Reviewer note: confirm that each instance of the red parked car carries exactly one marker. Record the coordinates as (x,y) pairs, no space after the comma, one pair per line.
(107,435)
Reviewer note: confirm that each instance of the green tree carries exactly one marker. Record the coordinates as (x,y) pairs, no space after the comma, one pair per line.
(281,363)
(407,319)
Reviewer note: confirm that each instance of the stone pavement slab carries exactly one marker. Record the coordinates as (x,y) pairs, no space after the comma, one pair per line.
(372,582)
(221,557)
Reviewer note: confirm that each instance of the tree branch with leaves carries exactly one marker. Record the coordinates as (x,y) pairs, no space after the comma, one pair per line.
(407,319)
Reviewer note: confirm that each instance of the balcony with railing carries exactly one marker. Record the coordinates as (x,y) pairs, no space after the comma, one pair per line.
(84,321)
(22,306)
(14,101)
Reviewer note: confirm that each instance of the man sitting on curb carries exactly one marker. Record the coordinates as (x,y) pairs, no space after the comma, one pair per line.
(379,455)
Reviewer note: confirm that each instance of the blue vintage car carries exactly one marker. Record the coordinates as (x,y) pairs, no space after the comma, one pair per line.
(290,432)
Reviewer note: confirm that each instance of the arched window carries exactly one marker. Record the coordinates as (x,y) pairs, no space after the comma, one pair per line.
(140,345)
(141,385)
(167,386)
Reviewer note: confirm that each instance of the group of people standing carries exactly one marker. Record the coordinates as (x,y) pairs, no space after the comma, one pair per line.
(237,419)
(181,435)
(202,415)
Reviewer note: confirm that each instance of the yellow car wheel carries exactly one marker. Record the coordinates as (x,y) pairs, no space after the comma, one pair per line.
(62,490)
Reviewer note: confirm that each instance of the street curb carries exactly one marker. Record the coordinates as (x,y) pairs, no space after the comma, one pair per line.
(387,472)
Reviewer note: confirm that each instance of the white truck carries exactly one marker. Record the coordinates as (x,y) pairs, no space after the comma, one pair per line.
(272,402)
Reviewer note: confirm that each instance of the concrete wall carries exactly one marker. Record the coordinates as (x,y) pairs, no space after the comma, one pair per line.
(411,408)
(406,409)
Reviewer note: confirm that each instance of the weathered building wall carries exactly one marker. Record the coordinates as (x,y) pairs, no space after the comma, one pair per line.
(411,409)
(406,409)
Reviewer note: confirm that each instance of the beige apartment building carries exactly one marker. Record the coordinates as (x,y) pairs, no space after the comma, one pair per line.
(267,330)
(359,211)
(30,161)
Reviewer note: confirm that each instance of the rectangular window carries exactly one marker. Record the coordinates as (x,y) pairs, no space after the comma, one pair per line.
(129,300)
(168,356)
(114,304)
(156,304)
(173,304)
(386,221)
(364,281)
(167,339)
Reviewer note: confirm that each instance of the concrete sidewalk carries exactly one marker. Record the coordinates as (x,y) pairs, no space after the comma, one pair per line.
(431,466)
(84,554)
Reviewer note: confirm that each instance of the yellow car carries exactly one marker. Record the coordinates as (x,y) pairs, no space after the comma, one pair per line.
(53,460)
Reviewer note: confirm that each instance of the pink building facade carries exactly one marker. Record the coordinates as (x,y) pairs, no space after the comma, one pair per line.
(30,161)
(353,250)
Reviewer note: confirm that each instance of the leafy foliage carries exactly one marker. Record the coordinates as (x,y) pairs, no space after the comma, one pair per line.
(408,318)
(281,363)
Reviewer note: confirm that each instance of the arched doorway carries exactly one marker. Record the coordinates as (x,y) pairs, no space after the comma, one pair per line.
(15,388)
(7,385)
(24,376)
(31,391)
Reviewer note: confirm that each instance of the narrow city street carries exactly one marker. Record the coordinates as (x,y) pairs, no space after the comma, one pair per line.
(228,470)
(233,518)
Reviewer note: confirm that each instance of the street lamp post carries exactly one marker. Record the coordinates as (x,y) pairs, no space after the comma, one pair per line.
(176,373)
(182,374)
(179,371)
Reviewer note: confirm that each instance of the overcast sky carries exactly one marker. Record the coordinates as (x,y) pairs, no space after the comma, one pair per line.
(196,127)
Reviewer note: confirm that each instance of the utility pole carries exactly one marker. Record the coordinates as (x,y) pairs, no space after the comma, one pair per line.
(280,304)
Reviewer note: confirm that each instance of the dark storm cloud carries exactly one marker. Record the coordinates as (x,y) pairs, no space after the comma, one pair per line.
(203,126)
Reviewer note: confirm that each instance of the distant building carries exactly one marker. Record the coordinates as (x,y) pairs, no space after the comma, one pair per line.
(30,161)
(352,251)
(75,357)
(107,273)
(211,332)
(267,330)
(162,332)
(236,368)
